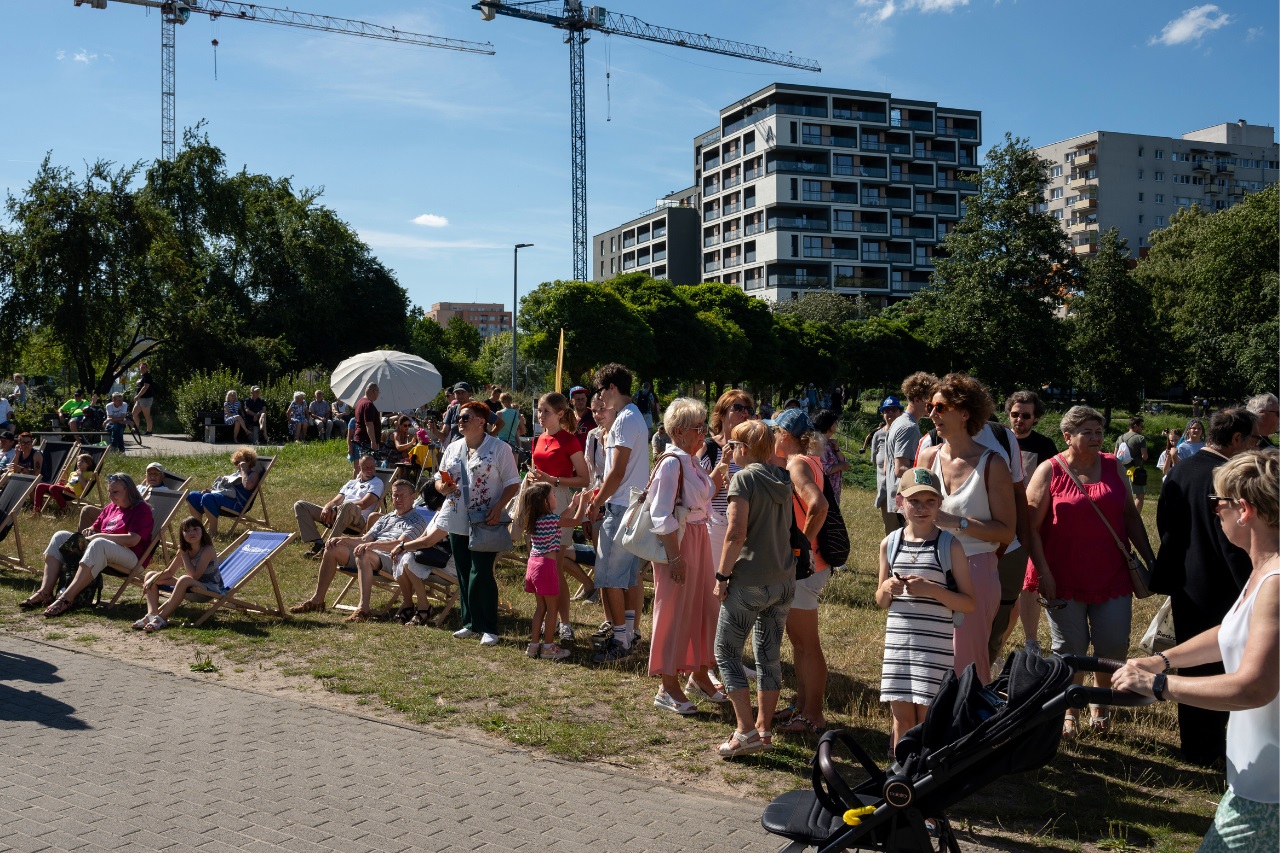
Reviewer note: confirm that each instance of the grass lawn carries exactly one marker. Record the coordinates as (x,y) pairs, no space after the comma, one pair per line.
(1125,790)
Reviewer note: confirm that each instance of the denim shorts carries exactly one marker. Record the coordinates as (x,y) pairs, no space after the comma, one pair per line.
(616,567)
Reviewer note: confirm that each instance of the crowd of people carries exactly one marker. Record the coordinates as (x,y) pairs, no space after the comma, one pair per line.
(985,525)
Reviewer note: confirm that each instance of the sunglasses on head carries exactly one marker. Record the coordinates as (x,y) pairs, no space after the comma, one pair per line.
(115,478)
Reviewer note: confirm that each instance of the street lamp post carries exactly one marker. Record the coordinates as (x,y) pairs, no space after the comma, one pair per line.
(515,278)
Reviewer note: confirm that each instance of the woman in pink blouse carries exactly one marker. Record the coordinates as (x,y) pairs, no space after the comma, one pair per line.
(685,608)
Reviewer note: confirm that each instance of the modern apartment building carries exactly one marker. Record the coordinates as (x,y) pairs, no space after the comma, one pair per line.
(809,187)
(662,242)
(1135,182)
(489,317)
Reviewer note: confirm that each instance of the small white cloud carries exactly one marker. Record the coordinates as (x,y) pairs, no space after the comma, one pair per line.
(60,55)
(886,11)
(883,10)
(85,57)
(430,220)
(1253,33)
(939,5)
(1192,25)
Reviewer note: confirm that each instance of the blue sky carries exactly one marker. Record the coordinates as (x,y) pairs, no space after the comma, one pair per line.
(443,160)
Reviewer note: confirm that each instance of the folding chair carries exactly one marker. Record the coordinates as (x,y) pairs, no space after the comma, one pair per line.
(16,491)
(55,455)
(164,505)
(176,482)
(380,581)
(99,454)
(238,563)
(257,495)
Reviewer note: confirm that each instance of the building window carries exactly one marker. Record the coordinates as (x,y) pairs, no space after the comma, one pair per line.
(1142,241)
(1140,218)
(1159,198)
(1139,150)
(1159,176)
(1056,172)
(613,243)
(1139,174)
(1055,193)
(1159,221)
(1159,153)
(1140,196)
(1057,214)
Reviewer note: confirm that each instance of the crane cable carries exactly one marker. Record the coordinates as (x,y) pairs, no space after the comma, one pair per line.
(608,66)
(213,28)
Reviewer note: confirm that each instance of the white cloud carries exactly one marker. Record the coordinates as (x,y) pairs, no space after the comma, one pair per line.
(60,55)
(1254,33)
(1192,25)
(430,220)
(883,10)
(80,55)
(390,240)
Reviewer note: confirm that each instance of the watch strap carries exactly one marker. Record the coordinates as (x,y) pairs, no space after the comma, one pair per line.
(722,578)
(1158,685)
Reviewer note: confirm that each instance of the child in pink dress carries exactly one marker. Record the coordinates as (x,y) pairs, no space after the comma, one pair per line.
(542,574)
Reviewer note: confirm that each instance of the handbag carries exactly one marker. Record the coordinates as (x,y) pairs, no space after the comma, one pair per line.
(635,534)
(1159,636)
(1139,574)
(482,536)
(227,486)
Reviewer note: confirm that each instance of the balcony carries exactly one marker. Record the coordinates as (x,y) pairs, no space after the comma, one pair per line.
(752,174)
(1084,161)
(711,266)
(861,171)
(965,159)
(628,242)
(908,286)
(799,110)
(829,141)
(795,166)
(730,183)
(936,154)
(865,282)
(924,261)
(840,254)
(858,227)
(642,237)
(711,188)
(871,144)
(730,209)
(885,201)
(710,162)
(730,156)
(1085,249)
(659,231)
(957,184)
(756,283)
(839,198)
(792,223)
(659,255)
(1086,203)
(935,207)
(711,215)
(923,233)
(913,124)
(877,257)
(912,178)
(731,236)
(733,261)
(753,228)
(860,115)
(708,242)
(1201,166)
(962,132)
(776,280)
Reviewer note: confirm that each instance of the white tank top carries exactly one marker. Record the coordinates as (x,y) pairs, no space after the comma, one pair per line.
(1253,736)
(970,501)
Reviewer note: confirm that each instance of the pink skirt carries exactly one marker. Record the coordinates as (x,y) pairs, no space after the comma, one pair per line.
(542,575)
(685,614)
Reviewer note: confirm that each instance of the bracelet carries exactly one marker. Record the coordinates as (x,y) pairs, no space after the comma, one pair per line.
(1167,666)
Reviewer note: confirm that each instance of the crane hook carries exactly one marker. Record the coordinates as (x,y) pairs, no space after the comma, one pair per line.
(215,59)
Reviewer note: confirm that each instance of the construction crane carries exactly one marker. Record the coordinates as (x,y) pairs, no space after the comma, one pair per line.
(175,12)
(576,21)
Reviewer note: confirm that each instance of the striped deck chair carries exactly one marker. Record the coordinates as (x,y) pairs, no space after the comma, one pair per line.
(238,563)
(164,506)
(15,493)
(256,496)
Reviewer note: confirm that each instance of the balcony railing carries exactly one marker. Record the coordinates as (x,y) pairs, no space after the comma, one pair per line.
(791,223)
(756,283)
(962,132)
(752,174)
(659,255)
(659,231)
(628,242)
(730,156)
(735,261)
(820,252)
(934,207)
(710,188)
(730,209)
(956,184)
(860,115)
(913,178)
(730,236)
(908,286)
(710,215)
(861,171)
(796,166)
(965,160)
(642,237)
(772,109)
(830,141)
(710,162)
(862,227)
(869,144)
(924,261)
(925,233)
(874,256)
(913,124)
(839,198)
(707,242)
(752,228)
(711,266)
(937,154)
(865,282)
(776,280)
(885,201)
(730,183)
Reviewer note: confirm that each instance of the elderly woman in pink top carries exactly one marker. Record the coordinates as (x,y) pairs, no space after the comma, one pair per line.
(685,608)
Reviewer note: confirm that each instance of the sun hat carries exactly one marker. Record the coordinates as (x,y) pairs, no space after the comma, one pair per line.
(916,480)
(794,421)
(890,402)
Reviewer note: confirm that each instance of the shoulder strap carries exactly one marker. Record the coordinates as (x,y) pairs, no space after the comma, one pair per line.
(893,546)
(933,437)
(945,538)
(1057,460)
(680,469)
(1002,437)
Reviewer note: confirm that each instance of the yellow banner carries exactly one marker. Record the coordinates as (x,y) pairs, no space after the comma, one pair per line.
(560,365)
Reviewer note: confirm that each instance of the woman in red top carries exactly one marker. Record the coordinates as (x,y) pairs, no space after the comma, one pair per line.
(558,460)
(1074,555)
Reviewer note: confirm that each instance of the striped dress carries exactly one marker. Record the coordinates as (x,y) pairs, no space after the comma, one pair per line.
(918,649)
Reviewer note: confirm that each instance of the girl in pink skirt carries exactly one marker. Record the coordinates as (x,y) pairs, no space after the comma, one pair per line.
(542,575)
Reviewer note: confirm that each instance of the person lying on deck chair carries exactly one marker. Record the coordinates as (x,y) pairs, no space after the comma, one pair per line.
(367,554)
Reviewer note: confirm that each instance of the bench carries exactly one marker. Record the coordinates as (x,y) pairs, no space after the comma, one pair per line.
(212,428)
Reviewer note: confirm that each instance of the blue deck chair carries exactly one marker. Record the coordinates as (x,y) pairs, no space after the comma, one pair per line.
(238,563)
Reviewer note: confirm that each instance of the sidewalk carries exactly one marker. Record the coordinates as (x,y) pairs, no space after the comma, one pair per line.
(101,755)
(177,444)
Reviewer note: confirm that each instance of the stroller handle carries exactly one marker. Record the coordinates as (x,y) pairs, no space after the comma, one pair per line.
(1078,696)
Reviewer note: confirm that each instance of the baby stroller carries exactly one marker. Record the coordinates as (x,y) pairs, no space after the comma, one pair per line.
(971,736)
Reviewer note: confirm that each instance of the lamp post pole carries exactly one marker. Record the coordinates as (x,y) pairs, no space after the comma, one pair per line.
(515,302)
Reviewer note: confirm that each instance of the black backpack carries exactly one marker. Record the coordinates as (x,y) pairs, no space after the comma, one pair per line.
(644,400)
(800,549)
(833,536)
(90,596)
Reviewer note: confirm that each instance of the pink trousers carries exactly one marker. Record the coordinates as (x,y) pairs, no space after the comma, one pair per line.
(972,635)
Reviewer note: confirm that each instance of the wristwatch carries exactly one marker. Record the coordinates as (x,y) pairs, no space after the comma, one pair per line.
(723,578)
(1158,685)
(963,524)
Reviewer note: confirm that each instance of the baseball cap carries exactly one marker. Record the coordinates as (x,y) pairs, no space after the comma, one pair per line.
(8,435)
(890,402)
(254,388)
(794,421)
(916,480)
(462,386)
(156,465)
(576,388)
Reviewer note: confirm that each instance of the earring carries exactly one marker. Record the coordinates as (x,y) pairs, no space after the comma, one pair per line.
(1239,522)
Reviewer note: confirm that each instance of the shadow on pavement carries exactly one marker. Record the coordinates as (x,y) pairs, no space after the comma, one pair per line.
(31,705)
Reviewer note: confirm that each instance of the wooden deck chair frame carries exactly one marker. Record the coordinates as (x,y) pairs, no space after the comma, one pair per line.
(380,581)
(256,496)
(268,543)
(100,452)
(15,493)
(159,524)
(174,483)
(443,591)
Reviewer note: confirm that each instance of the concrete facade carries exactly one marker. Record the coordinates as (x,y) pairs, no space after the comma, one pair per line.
(1136,182)
(489,317)
(661,242)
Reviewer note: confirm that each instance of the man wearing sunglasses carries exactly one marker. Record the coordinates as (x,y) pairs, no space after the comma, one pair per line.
(1199,568)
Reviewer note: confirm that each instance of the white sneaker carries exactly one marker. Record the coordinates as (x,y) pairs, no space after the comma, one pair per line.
(534,650)
(566,632)
(464,634)
(488,639)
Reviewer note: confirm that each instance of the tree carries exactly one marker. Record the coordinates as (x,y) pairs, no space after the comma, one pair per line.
(750,358)
(1214,285)
(599,327)
(1109,327)
(448,350)
(674,322)
(825,306)
(1003,273)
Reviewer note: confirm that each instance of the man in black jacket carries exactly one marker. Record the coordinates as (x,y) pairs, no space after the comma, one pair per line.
(1198,568)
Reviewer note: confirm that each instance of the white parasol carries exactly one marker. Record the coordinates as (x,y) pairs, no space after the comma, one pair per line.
(404,381)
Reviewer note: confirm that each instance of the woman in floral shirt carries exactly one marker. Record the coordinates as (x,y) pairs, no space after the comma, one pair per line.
(478,475)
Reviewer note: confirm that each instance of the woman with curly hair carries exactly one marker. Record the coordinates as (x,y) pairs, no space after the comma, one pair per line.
(977,504)
(735,406)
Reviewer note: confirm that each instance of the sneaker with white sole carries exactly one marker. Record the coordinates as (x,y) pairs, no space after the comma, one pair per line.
(552,651)
(565,632)
(534,650)
(613,651)
(490,640)
(464,634)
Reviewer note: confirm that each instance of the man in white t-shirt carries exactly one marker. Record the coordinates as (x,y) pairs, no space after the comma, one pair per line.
(617,571)
(349,508)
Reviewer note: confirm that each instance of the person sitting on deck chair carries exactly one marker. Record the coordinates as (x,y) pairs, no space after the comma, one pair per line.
(348,509)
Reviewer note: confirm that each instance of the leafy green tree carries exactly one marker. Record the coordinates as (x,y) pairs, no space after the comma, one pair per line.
(447,353)
(1214,284)
(463,338)
(1110,327)
(674,322)
(749,356)
(1003,273)
(824,306)
(599,327)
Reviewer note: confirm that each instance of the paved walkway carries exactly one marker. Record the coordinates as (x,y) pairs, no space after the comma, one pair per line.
(179,445)
(101,755)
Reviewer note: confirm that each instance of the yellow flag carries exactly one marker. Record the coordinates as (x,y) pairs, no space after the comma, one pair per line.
(560,364)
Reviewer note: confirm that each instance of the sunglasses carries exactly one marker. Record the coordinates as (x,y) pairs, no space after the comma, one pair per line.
(731,445)
(743,407)
(1021,416)
(115,478)
(1056,604)
(465,419)
(1215,501)
(940,408)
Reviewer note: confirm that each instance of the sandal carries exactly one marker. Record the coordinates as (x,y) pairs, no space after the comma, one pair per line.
(1101,724)
(35,601)
(159,623)
(422,617)
(59,607)
(784,716)
(1069,726)
(308,606)
(742,743)
(142,623)
(766,737)
(360,616)
(691,689)
(404,614)
(799,723)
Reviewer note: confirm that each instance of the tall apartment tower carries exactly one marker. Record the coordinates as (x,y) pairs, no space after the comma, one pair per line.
(809,187)
(662,242)
(1134,182)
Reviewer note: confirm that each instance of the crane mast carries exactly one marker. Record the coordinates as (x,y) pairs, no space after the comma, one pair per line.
(576,20)
(175,12)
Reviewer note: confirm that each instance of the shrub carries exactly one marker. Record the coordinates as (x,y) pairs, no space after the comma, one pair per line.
(206,392)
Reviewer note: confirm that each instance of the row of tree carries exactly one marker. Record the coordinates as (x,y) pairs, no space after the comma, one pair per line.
(199,268)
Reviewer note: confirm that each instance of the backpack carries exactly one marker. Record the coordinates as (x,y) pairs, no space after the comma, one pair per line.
(91,595)
(643,401)
(833,536)
(945,538)
(800,549)
(1123,452)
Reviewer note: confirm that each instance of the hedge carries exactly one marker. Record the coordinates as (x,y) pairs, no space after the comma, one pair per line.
(206,392)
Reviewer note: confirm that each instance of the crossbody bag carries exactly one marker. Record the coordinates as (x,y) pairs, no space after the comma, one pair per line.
(1139,574)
